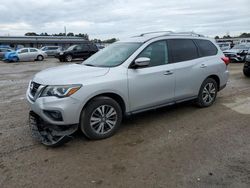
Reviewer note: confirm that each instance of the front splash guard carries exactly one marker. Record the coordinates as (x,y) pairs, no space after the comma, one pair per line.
(48,134)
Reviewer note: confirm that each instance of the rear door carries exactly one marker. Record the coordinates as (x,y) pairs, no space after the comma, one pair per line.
(33,54)
(189,69)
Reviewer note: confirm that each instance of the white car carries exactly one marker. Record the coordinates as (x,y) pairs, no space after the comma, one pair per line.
(145,72)
(31,54)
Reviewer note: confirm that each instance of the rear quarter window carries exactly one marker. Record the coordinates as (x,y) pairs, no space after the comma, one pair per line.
(206,47)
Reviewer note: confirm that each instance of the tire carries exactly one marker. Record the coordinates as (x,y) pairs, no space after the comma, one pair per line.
(207,94)
(246,72)
(40,58)
(68,58)
(15,59)
(97,126)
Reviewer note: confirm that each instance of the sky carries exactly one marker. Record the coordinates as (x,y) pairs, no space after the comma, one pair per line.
(105,19)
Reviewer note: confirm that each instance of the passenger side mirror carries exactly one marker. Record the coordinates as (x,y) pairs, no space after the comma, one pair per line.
(142,62)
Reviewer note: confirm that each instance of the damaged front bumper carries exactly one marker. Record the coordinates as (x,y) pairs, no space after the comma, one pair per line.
(50,134)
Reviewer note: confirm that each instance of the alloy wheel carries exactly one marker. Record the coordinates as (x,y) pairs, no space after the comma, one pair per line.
(103,119)
(209,93)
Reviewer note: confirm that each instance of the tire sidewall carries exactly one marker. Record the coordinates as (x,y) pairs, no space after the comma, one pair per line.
(71,58)
(39,57)
(200,101)
(87,112)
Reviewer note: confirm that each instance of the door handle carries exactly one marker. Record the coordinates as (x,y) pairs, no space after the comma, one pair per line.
(203,65)
(168,72)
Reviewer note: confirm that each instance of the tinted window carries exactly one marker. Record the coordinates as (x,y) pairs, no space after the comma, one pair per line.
(182,50)
(85,47)
(93,47)
(157,52)
(33,50)
(206,47)
(24,51)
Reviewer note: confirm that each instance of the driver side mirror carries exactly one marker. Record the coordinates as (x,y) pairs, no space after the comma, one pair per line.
(141,62)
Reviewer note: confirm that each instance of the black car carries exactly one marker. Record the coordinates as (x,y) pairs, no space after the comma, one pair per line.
(83,51)
(246,68)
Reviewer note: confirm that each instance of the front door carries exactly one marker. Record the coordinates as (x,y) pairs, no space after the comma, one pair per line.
(155,84)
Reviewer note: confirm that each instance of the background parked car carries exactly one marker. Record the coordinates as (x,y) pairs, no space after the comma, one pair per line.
(246,68)
(51,50)
(83,51)
(224,45)
(237,53)
(25,54)
(3,51)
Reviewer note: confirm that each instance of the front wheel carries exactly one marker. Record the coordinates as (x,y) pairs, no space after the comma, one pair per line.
(101,118)
(68,58)
(207,93)
(246,70)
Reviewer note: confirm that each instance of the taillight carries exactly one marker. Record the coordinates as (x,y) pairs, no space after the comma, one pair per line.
(226,60)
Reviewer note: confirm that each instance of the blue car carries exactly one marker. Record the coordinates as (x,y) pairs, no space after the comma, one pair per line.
(11,56)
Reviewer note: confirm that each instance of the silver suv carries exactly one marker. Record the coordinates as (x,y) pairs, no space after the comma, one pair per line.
(144,72)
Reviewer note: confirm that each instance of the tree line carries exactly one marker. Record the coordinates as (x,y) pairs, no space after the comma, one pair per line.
(227,36)
(70,34)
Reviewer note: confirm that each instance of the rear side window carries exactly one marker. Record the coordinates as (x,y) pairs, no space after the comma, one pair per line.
(33,50)
(84,47)
(182,50)
(206,47)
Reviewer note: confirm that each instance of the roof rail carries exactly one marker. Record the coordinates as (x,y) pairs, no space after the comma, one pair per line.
(169,33)
(155,32)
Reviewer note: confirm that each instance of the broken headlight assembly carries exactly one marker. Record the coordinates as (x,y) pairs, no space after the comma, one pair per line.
(60,91)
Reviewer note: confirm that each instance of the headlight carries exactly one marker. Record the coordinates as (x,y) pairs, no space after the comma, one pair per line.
(61,53)
(60,91)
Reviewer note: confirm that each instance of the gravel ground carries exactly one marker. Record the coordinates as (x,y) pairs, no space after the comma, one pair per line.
(177,146)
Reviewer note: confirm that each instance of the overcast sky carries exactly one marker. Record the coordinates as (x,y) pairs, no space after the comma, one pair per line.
(120,18)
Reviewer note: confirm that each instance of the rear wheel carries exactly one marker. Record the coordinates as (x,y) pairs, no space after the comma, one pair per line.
(39,58)
(101,118)
(207,93)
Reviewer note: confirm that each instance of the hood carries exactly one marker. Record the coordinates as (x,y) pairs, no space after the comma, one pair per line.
(69,74)
(233,51)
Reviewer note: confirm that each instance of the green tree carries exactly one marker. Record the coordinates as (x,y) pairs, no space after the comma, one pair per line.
(31,34)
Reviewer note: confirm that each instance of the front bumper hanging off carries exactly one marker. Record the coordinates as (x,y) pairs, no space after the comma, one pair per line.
(48,134)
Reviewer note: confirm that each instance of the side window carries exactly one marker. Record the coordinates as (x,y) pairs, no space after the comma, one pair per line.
(78,48)
(33,50)
(182,50)
(23,51)
(157,52)
(206,47)
(85,47)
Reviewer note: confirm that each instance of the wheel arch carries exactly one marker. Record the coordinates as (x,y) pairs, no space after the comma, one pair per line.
(111,95)
(216,78)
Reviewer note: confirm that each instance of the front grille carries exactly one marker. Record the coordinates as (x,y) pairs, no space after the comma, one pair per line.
(33,88)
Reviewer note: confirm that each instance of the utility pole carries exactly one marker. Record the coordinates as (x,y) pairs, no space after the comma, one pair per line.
(65,30)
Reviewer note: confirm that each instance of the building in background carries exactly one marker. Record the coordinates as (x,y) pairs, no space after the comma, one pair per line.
(39,41)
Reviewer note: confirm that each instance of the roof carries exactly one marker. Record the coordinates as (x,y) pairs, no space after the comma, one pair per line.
(144,37)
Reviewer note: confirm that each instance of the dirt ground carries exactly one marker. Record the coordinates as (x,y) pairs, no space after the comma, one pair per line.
(178,146)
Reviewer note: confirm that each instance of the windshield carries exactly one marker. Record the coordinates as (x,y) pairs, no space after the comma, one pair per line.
(71,47)
(113,55)
(240,47)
